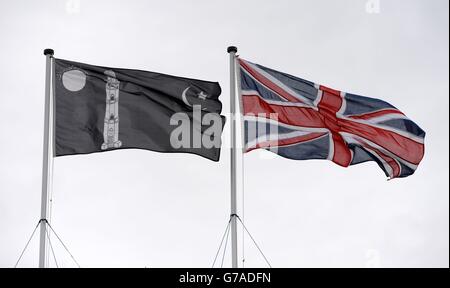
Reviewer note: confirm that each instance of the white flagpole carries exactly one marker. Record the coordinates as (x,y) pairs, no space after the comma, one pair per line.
(46,159)
(234,251)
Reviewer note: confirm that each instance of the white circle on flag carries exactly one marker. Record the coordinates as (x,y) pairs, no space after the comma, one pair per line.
(74,80)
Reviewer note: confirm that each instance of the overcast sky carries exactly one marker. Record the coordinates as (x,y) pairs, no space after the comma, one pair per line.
(136,208)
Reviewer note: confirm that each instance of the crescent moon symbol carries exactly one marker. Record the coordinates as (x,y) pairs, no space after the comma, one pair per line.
(183,96)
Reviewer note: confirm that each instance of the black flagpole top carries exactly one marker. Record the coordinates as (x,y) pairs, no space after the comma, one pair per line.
(232,49)
(49,52)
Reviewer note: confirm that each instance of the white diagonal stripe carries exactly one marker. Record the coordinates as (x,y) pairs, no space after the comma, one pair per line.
(277,82)
(293,127)
(403,133)
(275,102)
(352,138)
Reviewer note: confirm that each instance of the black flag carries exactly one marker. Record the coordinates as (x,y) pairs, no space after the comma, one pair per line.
(102,109)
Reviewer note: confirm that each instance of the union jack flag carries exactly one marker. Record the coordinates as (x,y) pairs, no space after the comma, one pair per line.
(316,122)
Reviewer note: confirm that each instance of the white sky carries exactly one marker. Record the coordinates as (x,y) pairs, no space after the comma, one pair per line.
(145,209)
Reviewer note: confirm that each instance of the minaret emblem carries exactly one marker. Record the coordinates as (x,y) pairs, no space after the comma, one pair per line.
(111,125)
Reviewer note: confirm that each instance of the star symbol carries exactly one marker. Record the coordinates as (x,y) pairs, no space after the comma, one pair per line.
(202,95)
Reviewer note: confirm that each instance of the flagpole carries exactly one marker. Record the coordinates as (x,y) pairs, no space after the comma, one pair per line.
(47,150)
(234,251)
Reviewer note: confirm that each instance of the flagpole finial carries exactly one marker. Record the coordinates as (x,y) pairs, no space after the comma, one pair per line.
(49,52)
(232,49)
